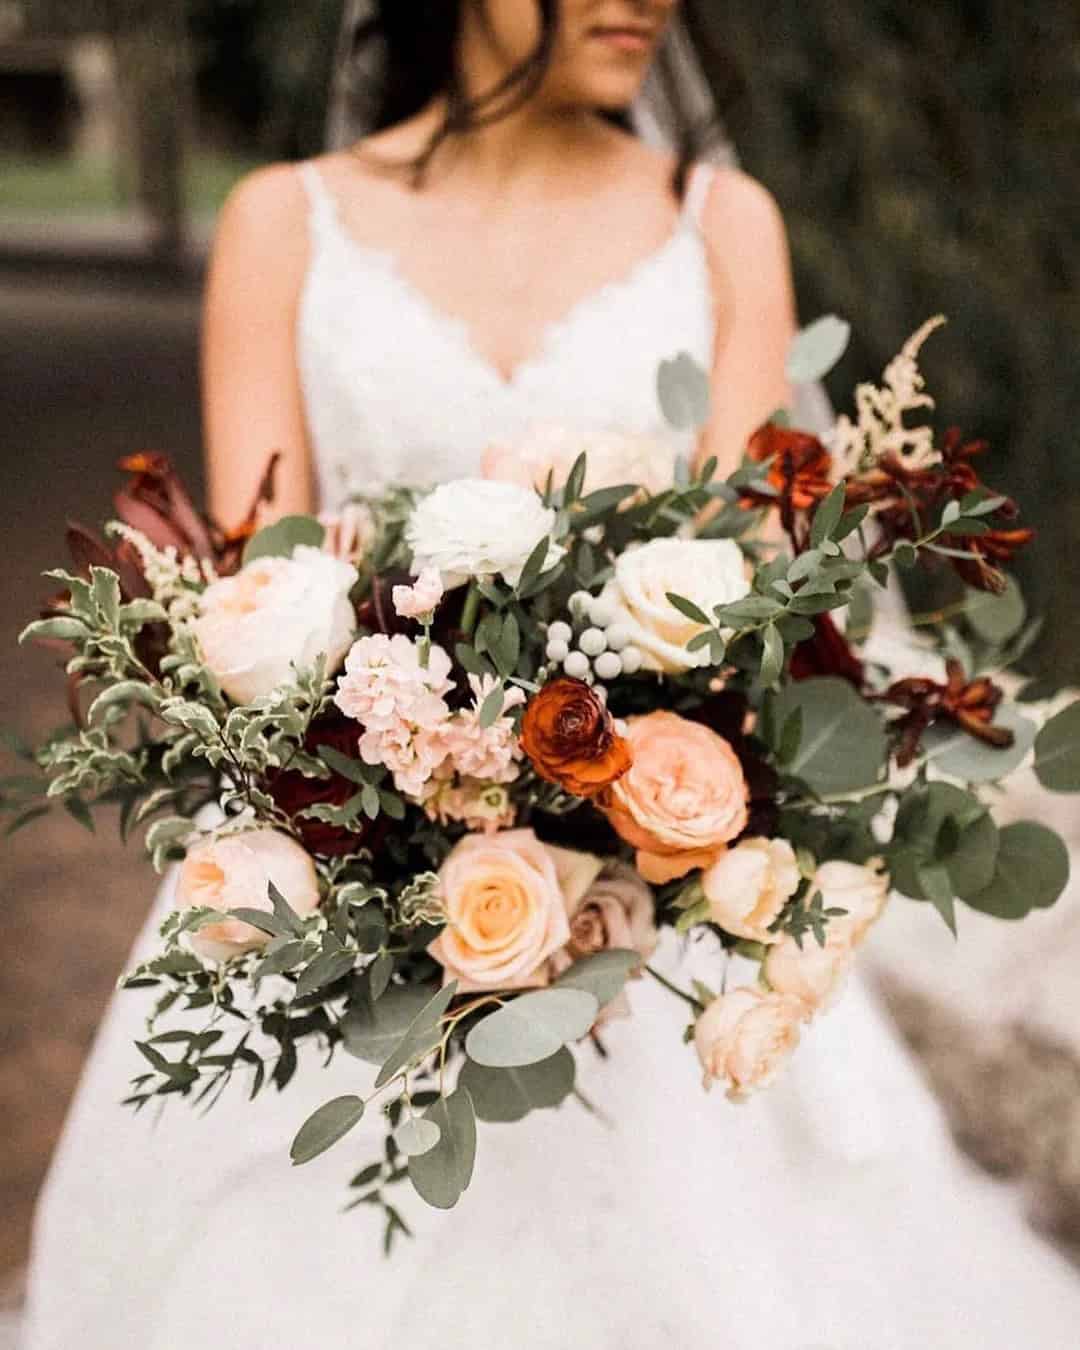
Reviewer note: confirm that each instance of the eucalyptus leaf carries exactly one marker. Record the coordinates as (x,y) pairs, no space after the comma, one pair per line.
(684,393)
(421,1036)
(956,753)
(325,1127)
(817,349)
(503,1096)
(283,537)
(327,968)
(942,825)
(603,974)
(372,1030)
(416,1136)
(842,747)
(1057,751)
(532,1027)
(442,1175)
(1032,872)
(997,618)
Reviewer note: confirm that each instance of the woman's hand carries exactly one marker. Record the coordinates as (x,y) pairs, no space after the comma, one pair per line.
(252,403)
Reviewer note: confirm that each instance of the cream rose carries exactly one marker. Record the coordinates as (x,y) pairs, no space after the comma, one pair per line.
(276,615)
(861,891)
(234,871)
(505,911)
(683,800)
(813,974)
(612,459)
(743,1039)
(475,528)
(708,572)
(749,885)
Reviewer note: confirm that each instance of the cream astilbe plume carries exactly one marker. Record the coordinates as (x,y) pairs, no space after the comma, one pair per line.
(879,429)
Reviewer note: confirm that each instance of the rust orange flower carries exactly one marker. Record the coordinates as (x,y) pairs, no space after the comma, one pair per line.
(570,737)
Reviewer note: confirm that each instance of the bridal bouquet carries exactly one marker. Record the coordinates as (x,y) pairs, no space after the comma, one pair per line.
(436,771)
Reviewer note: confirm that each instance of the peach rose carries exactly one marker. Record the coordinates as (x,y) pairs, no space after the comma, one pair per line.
(683,800)
(813,974)
(234,871)
(743,1039)
(859,890)
(749,885)
(505,910)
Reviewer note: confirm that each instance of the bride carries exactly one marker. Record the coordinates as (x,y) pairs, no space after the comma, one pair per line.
(498,255)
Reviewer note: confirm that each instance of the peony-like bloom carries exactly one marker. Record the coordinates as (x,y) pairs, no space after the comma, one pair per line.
(860,890)
(234,871)
(708,572)
(474,528)
(811,973)
(276,616)
(570,737)
(744,1039)
(613,458)
(749,885)
(421,599)
(683,800)
(505,910)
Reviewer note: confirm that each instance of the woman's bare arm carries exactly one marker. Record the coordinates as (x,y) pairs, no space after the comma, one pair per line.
(755,305)
(251,391)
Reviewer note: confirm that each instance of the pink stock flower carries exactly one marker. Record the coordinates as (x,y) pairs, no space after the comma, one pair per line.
(421,599)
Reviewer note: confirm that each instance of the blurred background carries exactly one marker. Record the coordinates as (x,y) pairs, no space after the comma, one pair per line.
(926,156)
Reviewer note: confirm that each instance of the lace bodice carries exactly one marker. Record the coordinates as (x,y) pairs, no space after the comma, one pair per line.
(395,389)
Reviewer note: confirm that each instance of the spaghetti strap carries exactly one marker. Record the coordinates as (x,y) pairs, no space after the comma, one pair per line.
(698,187)
(323,207)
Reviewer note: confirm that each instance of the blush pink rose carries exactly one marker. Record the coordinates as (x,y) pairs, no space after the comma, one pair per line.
(683,800)
(505,912)
(234,871)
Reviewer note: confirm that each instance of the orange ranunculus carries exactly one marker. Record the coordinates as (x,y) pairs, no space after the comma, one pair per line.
(570,737)
(683,801)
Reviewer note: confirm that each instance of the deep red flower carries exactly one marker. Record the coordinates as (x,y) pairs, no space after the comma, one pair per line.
(828,652)
(292,792)
(800,470)
(969,704)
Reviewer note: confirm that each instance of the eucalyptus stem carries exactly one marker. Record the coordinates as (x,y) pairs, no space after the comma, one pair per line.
(694,1003)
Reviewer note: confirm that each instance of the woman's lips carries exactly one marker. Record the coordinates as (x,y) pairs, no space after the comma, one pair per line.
(633,41)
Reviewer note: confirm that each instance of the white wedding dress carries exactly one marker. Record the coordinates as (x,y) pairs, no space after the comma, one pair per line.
(830,1213)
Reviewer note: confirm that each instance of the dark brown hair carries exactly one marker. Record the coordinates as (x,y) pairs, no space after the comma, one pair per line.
(416,44)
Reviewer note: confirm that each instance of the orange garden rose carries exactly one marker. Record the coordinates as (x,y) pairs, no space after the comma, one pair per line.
(683,800)
(570,737)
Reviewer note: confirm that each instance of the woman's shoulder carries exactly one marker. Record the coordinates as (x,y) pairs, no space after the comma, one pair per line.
(740,210)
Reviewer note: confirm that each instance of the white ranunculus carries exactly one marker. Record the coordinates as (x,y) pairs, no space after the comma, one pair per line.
(234,871)
(275,617)
(475,528)
(708,572)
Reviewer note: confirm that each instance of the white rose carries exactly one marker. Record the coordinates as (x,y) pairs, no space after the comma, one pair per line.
(234,872)
(613,458)
(861,891)
(743,1039)
(277,614)
(476,528)
(813,974)
(749,885)
(708,572)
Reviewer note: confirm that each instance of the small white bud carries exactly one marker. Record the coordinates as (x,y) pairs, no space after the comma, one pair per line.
(557,651)
(631,660)
(592,642)
(608,666)
(577,665)
(560,632)
(618,636)
(602,611)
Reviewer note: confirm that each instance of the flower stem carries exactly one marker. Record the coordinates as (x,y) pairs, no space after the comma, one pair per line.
(471,611)
(674,989)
